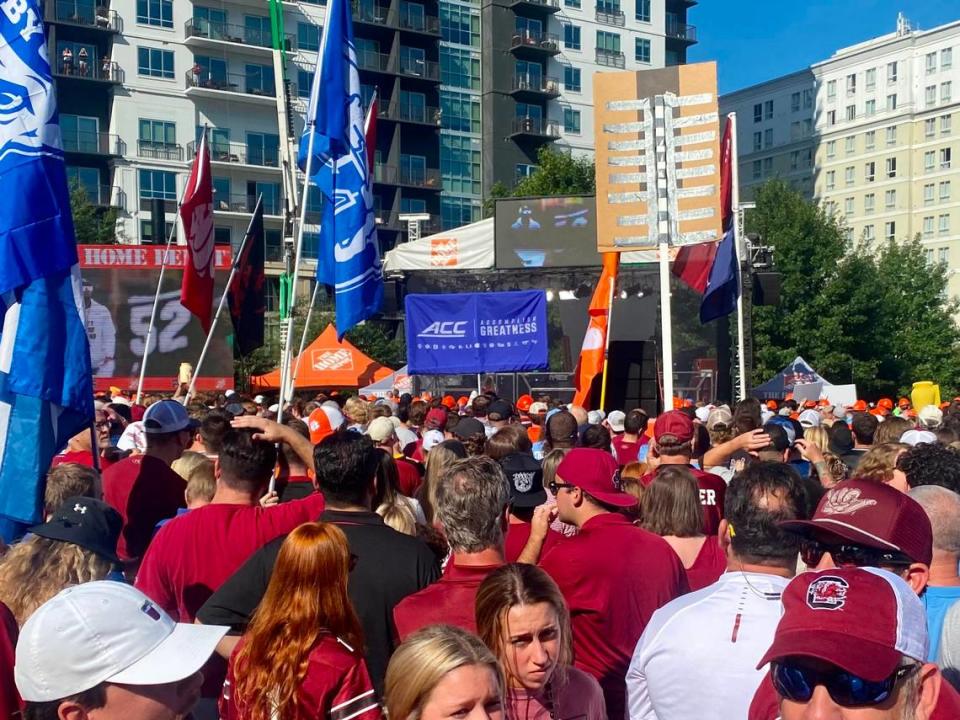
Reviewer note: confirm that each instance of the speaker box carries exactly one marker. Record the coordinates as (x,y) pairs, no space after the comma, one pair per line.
(766,288)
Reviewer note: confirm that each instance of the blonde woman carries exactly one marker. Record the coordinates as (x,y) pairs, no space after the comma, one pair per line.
(819,437)
(444,672)
(439,459)
(357,413)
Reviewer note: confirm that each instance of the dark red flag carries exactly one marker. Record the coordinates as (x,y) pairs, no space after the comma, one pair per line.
(196,218)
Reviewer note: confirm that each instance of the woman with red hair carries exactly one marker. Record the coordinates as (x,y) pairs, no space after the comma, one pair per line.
(301,656)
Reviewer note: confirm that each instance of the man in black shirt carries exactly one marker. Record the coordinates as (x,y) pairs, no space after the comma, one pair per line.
(389,566)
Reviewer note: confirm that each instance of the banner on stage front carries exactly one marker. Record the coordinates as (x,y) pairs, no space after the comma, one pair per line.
(476,332)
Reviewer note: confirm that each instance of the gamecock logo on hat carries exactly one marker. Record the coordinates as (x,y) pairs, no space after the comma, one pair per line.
(827,593)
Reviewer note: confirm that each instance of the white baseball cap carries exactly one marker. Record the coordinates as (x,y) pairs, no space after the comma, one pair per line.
(379,429)
(406,437)
(258,399)
(595,417)
(918,437)
(431,438)
(930,416)
(106,632)
(615,420)
(810,418)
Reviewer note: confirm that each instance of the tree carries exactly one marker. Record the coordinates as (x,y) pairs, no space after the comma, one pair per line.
(93,225)
(557,173)
(876,318)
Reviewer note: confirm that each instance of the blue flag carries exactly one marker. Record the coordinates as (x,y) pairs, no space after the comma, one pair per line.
(46,391)
(348,257)
(723,288)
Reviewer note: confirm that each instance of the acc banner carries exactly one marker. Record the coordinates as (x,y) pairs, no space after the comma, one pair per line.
(476,332)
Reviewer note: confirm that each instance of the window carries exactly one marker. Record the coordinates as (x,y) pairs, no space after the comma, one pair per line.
(868,234)
(946,91)
(870,139)
(943,224)
(153,12)
(928,194)
(831,148)
(767,166)
(308,36)
(768,110)
(945,122)
(870,108)
(929,160)
(928,256)
(571,121)
(892,101)
(891,72)
(928,226)
(850,144)
(461,67)
(571,78)
(304,82)
(831,179)
(945,191)
(848,175)
(807,99)
(807,127)
(571,36)
(88,180)
(869,202)
(870,171)
(155,63)
(572,3)
(808,158)
(831,117)
(460,164)
(221,193)
(848,207)
(457,211)
(158,184)
(157,138)
(795,160)
(757,141)
(831,89)
(931,63)
(890,230)
(758,112)
(851,112)
(795,102)
(768,138)
(870,78)
(851,84)
(930,95)
(461,25)
(643,10)
(757,169)
(259,79)
(608,41)
(946,58)
(795,130)
(460,111)
(891,167)
(892,135)
(890,199)
(642,50)
(943,255)
(945,156)
(263,149)
(929,127)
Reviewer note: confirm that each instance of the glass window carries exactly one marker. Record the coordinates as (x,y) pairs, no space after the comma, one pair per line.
(88,180)
(272,199)
(929,160)
(930,95)
(929,127)
(460,25)
(890,230)
(456,211)
(831,117)
(851,112)
(263,149)
(257,30)
(643,10)
(460,68)
(943,254)
(851,84)
(757,169)
(891,167)
(945,122)
(221,193)
(795,102)
(945,157)
(870,108)
(608,41)
(807,99)
(890,199)
(460,111)
(571,78)
(870,78)
(850,144)
(869,202)
(831,89)
(931,63)
(157,132)
(460,164)
(642,50)
(154,12)
(946,58)
(757,112)
(870,139)
(831,179)
(213,71)
(943,224)
(831,148)
(155,63)
(80,133)
(892,135)
(946,91)
(259,79)
(892,101)
(928,194)
(768,138)
(928,226)
(848,207)
(304,82)
(571,36)
(868,233)
(870,171)
(767,166)
(572,3)
(768,110)
(210,22)
(158,184)
(891,72)
(571,121)
(944,191)
(848,175)
(308,36)
(757,141)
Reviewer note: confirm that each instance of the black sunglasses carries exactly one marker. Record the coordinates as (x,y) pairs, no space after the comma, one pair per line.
(849,555)
(797,683)
(555,486)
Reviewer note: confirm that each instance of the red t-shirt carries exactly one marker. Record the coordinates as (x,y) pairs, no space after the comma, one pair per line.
(451,600)
(81,457)
(766,702)
(708,566)
(627,451)
(614,576)
(144,490)
(410,476)
(336,677)
(517,536)
(713,490)
(10,703)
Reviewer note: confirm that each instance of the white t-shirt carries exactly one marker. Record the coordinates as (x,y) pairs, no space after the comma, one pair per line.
(697,657)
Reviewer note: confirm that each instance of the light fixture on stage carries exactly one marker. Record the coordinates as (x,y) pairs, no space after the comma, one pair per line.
(567,295)
(550,295)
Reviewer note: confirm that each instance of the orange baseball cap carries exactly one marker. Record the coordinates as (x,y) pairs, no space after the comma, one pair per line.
(885,403)
(448,402)
(323,422)
(903,402)
(809,404)
(524,402)
(860,406)
(772,405)
(462,400)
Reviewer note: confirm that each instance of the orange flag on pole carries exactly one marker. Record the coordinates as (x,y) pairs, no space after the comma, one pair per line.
(595,340)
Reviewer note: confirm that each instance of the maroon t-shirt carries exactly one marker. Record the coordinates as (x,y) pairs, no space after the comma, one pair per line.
(81,457)
(10,703)
(517,536)
(144,490)
(451,600)
(627,451)
(410,476)
(708,566)
(713,490)
(614,576)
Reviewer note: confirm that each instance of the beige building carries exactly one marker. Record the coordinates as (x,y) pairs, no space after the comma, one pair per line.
(872,133)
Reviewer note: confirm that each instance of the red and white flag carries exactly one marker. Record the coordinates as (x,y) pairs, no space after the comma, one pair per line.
(196,222)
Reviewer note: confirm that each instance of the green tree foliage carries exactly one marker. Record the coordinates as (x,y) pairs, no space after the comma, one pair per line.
(557,173)
(93,225)
(877,317)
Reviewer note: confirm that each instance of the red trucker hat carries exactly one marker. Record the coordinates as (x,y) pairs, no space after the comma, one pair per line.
(673,428)
(594,472)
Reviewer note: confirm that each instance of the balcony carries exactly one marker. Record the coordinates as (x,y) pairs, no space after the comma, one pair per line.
(233,153)
(246,204)
(428,178)
(534,129)
(159,151)
(84,14)
(675,30)
(233,86)
(93,143)
(535,7)
(611,16)
(383,17)
(424,24)
(529,44)
(418,115)
(610,58)
(203,33)
(105,196)
(420,69)
(526,87)
(106,71)
(373,61)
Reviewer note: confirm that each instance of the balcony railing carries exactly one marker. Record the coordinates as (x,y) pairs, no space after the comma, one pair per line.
(547,42)
(426,69)
(232,82)
(550,6)
(393,175)
(420,23)
(373,15)
(240,34)
(413,114)
(86,14)
(610,58)
(246,204)
(543,85)
(377,62)
(611,16)
(680,31)
(238,153)
(105,196)
(536,126)
(75,67)
(92,143)
(159,151)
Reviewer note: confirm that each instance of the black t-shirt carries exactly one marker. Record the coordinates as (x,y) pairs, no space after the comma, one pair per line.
(390,566)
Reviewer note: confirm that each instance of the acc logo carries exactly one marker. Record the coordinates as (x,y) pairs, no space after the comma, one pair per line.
(444,330)
(845,501)
(827,593)
(332,360)
(523,481)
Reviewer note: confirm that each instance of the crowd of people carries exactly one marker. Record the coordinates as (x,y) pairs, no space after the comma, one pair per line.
(428,558)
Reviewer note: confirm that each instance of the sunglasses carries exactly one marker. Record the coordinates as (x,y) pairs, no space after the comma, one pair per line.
(555,486)
(797,683)
(848,555)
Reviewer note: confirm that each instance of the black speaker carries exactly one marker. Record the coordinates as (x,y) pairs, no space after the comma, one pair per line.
(766,288)
(158,220)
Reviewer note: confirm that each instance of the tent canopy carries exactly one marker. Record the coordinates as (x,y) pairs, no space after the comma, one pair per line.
(469,247)
(326,363)
(796,373)
(398,380)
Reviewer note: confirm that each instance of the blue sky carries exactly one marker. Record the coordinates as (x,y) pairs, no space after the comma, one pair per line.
(755,41)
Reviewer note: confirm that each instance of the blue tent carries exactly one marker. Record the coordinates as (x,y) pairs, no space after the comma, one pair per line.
(796,373)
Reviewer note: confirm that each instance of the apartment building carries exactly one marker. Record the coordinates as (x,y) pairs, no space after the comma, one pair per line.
(872,133)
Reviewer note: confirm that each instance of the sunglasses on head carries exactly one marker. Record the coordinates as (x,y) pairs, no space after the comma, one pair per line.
(797,682)
(850,555)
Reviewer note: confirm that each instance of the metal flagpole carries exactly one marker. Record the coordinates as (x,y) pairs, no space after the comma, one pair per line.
(223,300)
(303,336)
(606,344)
(662,156)
(739,249)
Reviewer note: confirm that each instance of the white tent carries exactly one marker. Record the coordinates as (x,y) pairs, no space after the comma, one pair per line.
(399,381)
(469,247)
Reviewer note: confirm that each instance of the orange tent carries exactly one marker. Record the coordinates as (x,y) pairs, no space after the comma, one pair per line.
(326,363)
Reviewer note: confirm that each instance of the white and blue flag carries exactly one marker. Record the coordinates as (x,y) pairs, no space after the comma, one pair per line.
(46,391)
(348,257)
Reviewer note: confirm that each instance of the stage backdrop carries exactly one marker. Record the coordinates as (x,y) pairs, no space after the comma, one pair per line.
(119,282)
(477,332)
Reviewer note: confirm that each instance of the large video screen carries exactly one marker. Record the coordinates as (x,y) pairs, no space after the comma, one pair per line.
(546,232)
(119,283)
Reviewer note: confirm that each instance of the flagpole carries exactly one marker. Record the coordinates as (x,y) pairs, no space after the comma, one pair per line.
(606,340)
(738,250)
(223,299)
(303,335)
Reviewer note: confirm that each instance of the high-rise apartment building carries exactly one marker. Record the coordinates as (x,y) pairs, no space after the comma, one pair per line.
(872,133)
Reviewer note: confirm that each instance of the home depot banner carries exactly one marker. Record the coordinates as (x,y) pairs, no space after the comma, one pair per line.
(476,332)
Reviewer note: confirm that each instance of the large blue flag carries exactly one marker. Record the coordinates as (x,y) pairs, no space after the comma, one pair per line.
(723,288)
(348,256)
(46,391)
